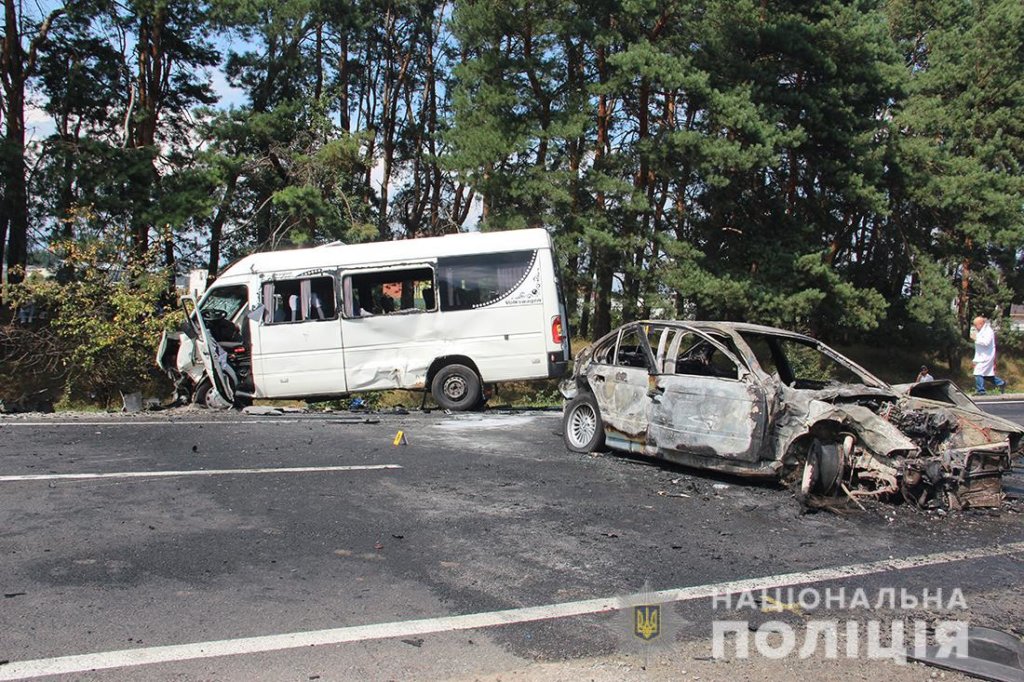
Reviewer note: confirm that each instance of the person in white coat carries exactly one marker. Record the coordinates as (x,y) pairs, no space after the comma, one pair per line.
(924,375)
(985,356)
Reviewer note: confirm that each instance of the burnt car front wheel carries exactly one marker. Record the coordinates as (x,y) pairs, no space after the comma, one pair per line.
(582,427)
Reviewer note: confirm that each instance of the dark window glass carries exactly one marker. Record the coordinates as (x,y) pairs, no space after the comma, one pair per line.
(467,282)
(299,300)
(322,301)
(390,292)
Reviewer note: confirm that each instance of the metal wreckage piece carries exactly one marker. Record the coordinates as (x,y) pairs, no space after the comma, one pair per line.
(907,448)
(991,655)
(653,388)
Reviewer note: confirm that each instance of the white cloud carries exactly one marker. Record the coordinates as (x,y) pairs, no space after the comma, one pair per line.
(38,124)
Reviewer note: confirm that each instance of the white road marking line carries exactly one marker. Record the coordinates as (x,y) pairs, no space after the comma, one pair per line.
(196,472)
(19,670)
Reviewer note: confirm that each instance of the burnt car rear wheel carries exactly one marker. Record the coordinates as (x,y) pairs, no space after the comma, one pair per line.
(582,427)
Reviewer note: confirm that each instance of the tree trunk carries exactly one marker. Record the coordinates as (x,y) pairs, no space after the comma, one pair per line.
(963,299)
(16,67)
(217,228)
(170,264)
(604,271)
(15,213)
(343,76)
(150,85)
(318,89)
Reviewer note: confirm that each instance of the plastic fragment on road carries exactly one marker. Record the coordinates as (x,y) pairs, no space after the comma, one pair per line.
(262,411)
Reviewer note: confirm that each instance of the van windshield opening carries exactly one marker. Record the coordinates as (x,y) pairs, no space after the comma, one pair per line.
(224,302)
(219,309)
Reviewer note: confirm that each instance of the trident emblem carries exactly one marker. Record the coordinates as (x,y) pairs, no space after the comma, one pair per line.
(647,622)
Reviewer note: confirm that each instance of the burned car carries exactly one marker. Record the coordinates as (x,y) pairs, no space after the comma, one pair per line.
(761,402)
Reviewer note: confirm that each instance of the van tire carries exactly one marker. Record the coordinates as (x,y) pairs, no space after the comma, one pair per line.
(456,388)
(206,396)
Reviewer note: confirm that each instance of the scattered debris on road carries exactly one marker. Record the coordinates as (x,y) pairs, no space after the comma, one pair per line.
(262,411)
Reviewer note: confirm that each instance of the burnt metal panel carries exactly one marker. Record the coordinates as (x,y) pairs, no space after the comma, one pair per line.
(708,416)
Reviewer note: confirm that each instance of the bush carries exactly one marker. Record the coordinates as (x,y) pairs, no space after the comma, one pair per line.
(97,329)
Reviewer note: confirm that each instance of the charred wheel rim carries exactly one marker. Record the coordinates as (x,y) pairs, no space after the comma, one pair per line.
(455,387)
(582,425)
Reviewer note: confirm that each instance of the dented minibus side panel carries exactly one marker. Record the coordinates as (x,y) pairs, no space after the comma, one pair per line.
(295,358)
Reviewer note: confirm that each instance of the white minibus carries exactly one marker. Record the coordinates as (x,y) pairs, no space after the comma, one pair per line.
(446,314)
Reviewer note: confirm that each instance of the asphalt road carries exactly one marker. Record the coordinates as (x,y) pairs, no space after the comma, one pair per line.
(477,546)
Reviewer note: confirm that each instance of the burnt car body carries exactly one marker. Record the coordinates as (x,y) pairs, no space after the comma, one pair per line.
(763,402)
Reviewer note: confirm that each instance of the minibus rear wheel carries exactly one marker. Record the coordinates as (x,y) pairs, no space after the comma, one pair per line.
(456,388)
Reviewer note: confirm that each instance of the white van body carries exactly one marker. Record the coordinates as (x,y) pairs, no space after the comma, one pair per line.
(340,319)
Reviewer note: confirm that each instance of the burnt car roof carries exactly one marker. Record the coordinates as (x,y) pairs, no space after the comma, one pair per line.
(705,325)
(734,328)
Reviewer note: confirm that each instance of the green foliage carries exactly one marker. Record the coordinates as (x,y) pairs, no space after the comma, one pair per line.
(853,169)
(103,324)
(960,164)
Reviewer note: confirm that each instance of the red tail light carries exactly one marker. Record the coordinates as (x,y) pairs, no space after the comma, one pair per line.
(556,329)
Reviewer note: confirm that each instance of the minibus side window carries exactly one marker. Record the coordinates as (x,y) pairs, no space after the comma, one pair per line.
(467,282)
(299,300)
(389,292)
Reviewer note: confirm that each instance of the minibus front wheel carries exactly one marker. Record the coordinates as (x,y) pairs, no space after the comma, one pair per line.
(206,396)
(456,388)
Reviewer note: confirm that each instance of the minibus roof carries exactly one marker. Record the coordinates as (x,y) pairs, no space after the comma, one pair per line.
(397,251)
